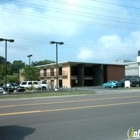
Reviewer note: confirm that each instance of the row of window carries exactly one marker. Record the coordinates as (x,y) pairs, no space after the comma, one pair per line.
(88,71)
(52,73)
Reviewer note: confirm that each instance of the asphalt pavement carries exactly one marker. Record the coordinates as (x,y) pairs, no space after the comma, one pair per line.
(100,116)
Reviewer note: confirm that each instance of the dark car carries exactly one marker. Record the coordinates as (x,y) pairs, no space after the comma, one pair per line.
(122,81)
(13,87)
(133,82)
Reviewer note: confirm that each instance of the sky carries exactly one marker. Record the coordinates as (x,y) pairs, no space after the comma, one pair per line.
(95,31)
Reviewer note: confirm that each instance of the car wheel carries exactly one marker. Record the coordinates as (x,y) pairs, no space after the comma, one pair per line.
(14,90)
(43,88)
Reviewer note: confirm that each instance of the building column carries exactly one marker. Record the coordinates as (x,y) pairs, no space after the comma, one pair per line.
(97,75)
(80,77)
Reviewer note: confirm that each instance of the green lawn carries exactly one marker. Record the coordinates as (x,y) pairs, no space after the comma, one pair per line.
(31,95)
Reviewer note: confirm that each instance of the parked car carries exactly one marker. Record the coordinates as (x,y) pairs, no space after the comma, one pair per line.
(122,81)
(35,84)
(13,87)
(1,90)
(112,84)
(133,82)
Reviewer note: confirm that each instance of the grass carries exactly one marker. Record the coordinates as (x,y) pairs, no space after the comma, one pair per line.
(32,95)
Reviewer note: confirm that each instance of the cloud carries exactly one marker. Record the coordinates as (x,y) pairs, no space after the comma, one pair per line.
(109,48)
(33,24)
(85,53)
(34,20)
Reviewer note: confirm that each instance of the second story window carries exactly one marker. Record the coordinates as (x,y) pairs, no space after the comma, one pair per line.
(52,71)
(45,72)
(60,70)
(73,70)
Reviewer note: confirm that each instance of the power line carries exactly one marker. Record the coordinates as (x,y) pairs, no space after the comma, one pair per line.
(77,21)
(117,4)
(93,16)
(60,10)
(73,20)
(86,6)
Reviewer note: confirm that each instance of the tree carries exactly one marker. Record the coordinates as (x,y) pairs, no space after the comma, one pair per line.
(2,71)
(2,60)
(17,65)
(30,73)
(13,78)
(43,62)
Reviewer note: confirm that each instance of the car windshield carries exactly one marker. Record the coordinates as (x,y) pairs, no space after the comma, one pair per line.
(44,82)
(14,84)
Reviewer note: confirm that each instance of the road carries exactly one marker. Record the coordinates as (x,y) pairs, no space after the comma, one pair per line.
(87,117)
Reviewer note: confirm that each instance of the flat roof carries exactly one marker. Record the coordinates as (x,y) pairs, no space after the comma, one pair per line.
(72,62)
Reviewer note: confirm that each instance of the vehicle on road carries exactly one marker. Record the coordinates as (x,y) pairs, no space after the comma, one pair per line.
(111,84)
(35,84)
(13,87)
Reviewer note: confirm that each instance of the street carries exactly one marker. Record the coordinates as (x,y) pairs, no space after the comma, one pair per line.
(87,117)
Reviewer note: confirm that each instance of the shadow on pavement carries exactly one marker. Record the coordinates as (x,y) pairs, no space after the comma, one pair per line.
(14,132)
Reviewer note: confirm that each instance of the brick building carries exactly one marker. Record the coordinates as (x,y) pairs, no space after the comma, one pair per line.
(80,73)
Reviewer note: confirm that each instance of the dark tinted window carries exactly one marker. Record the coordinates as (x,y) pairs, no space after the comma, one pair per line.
(44,82)
(23,83)
(30,83)
(73,70)
(14,84)
(35,83)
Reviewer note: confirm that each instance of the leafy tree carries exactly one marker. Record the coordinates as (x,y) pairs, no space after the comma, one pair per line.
(30,73)
(2,60)
(17,65)
(2,71)
(13,78)
(43,62)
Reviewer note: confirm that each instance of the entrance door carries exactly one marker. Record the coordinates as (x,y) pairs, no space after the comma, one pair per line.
(60,83)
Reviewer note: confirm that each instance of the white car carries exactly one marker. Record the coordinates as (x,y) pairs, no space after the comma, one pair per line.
(1,90)
(36,84)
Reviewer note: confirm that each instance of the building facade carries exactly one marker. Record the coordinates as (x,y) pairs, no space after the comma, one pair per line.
(71,74)
(131,68)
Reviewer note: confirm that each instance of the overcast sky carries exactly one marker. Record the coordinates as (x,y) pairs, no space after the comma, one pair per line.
(92,30)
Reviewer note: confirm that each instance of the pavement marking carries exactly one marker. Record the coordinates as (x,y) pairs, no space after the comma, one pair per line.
(66,109)
(19,113)
(75,101)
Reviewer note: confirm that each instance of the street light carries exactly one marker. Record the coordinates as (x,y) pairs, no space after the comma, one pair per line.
(6,40)
(60,43)
(30,55)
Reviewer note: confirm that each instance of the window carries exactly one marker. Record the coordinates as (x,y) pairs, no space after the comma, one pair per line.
(88,71)
(52,71)
(73,70)
(35,83)
(14,84)
(30,83)
(45,72)
(60,70)
(44,82)
(23,83)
